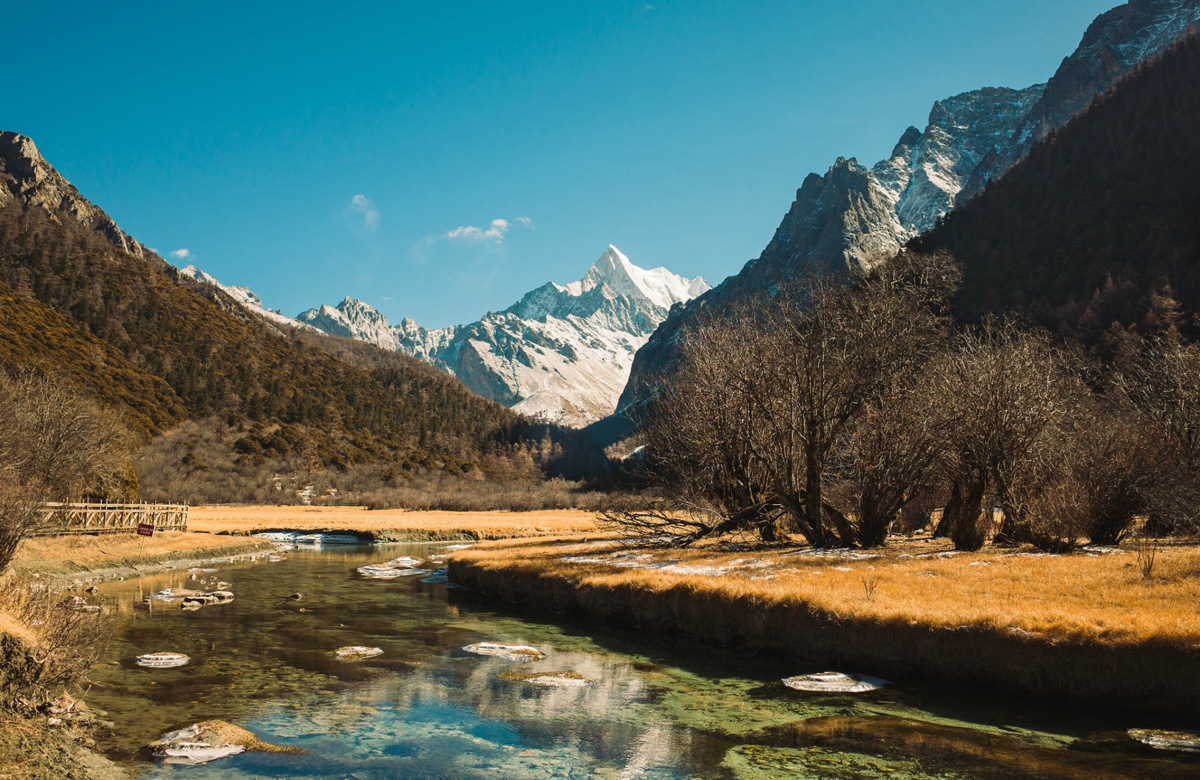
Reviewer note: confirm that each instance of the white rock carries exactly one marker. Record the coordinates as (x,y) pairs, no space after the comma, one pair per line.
(834,682)
(162,660)
(506,651)
(356,652)
(1186,741)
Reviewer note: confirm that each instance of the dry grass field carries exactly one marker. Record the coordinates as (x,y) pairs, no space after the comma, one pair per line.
(1099,596)
(390,524)
(64,557)
(1090,623)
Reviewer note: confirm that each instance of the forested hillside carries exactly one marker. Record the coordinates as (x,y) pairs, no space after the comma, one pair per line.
(1097,232)
(75,304)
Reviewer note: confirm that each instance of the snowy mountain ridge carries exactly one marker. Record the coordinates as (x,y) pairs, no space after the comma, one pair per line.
(562,353)
(243,296)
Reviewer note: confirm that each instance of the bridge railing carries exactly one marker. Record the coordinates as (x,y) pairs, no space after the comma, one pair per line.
(104,518)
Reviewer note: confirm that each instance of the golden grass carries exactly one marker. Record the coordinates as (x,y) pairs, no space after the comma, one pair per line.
(396,524)
(21,630)
(1084,627)
(66,556)
(1080,597)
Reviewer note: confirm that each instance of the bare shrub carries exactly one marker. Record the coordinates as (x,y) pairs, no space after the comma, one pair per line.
(59,645)
(1147,555)
(55,445)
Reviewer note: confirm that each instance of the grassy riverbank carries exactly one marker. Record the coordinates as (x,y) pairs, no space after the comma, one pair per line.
(395,525)
(1088,626)
(64,559)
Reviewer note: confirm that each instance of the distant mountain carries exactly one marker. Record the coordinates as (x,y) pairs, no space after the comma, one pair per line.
(561,354)
(853,216)
(83,300)
(1095,234)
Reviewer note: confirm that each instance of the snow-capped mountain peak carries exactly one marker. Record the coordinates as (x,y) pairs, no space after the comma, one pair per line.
(658,285)
(352,319)
(561,353)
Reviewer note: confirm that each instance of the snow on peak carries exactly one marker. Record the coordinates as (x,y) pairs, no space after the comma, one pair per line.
(243,295)
(559,353)
(658,285)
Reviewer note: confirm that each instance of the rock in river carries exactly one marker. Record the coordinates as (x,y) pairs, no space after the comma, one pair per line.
(834,682)
(506,651)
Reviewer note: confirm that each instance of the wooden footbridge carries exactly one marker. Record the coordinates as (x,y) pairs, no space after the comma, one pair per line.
(63,519)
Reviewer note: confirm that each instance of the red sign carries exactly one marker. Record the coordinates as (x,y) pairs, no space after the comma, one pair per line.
(145,529)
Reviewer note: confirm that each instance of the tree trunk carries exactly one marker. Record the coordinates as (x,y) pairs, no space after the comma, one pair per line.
(813,506)
(969,532)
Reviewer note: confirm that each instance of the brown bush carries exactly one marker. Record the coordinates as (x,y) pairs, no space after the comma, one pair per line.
(48,646)
(55,445)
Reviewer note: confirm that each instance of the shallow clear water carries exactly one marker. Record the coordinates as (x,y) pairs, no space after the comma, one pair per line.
(657,708)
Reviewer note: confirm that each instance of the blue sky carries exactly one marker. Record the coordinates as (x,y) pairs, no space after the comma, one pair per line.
(437,160)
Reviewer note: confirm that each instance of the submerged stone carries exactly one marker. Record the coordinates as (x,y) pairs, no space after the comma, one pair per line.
(834,682)
(403,566)
(162,660)
(506,651)
(356,652)
(1187,741)
(209,741)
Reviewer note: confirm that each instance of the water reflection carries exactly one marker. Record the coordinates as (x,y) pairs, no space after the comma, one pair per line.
(426,709)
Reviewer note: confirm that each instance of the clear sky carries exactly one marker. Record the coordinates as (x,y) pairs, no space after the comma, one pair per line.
(437,160)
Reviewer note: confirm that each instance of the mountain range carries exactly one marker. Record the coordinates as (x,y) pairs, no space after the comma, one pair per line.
(560,354)
(853,216)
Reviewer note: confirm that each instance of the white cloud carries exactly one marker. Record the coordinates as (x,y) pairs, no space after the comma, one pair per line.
(361,204)
(493,233)
(181,254)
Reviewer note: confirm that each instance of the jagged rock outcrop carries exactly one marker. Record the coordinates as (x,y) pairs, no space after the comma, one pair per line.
(562,353)
(853,216)
(27,179)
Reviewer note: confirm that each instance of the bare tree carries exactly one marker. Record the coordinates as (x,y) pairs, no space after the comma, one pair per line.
(701,440)
(889,455)
(1003,396)
(55,445)
(746,427)
(1162,385)
(843,356)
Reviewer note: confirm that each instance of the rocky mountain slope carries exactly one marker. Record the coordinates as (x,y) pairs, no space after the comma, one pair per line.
(562,353)
(28,181)
(1114,44)
(853,215)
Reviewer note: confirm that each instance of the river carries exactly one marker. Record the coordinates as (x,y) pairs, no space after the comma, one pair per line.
(658,707)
